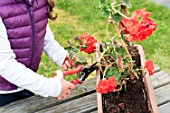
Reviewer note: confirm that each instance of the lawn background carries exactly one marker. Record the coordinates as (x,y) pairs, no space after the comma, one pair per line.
(80,16)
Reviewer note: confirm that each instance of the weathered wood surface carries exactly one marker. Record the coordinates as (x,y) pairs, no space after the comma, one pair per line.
(165,108)
(37,103)
(86,102)
(83,104)
(163,95)
(160,79)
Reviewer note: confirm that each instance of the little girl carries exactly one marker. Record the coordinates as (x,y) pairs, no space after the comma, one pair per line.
(24,34)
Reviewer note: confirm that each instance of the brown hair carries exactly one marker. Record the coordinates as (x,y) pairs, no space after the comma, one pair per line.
(51,13)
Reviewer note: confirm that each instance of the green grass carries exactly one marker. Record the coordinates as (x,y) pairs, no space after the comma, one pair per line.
(79,16)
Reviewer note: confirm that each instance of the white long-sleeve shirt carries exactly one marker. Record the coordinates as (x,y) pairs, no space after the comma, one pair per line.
(22,76)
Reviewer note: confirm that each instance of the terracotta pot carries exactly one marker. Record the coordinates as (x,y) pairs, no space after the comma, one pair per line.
(152,105)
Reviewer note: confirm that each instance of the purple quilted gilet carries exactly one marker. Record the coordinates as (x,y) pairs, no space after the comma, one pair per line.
(26,27)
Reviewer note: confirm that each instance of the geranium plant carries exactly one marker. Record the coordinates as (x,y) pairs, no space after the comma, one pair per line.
(116,62)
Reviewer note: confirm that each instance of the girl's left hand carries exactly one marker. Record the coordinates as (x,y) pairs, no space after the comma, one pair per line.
(67,63)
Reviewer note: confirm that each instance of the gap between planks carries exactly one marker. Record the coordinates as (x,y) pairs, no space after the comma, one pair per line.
(85,104)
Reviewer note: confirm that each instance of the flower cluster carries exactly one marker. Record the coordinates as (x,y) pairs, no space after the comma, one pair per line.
(88,42)
(150,67)
(138,26)
(104,86)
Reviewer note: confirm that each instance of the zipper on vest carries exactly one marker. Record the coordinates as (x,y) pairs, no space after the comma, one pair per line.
(33,32)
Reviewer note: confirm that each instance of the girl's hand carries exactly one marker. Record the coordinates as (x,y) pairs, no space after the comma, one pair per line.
(67,63)
(66,86)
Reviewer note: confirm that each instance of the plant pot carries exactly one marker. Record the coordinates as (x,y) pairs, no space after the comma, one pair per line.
(151,100)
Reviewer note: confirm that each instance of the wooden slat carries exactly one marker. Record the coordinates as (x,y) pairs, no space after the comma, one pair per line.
(165,108)
(27,105)
(158,74)
(37,103)
(81,105)
(162,94)
(160,78)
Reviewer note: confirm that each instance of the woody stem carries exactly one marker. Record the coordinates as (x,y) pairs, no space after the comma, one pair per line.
(121,40)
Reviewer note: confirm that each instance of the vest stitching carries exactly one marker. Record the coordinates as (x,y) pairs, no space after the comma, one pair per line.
(26,25)
(40,31)
(22,48)
(22,58)
(16,16)
(19,38)
(38,23)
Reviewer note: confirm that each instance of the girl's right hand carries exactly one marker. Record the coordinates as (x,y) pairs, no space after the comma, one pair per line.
(66,86)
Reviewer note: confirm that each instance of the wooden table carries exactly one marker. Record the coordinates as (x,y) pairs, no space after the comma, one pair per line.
(85,102)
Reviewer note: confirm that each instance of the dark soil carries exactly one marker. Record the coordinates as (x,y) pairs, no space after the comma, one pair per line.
(134,100)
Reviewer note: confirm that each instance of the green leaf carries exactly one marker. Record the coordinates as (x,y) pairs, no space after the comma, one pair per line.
(121,51)
(71,55)
(102,1)
(104,45)
(72,49)
(111,52)
(127,3)
(112,71)
(134,67)
(105,10)
(122,35)
(116,17)
(125,72)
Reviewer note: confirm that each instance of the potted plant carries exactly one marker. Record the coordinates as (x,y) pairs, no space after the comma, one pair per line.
(123,83)
(134,95)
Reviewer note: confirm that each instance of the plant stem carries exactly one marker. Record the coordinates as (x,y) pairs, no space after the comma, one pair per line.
(101,57)
(103,53)
(121,40)
(120,13)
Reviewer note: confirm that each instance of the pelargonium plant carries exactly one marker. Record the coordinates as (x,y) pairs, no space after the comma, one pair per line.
(116,63)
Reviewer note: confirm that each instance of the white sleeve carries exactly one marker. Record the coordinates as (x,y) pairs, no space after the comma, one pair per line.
(52,48)
(22,76)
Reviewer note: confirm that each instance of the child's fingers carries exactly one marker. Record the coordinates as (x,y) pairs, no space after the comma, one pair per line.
(68,92)
(68,63)
(64,67)
(72,86)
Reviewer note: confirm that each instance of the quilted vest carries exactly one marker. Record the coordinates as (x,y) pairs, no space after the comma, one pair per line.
(25,22)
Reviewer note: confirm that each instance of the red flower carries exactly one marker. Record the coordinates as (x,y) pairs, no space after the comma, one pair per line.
(102,86)
(138,30)
(129,23)
(150,67)
(88,41)
(112,83)
(106,86)
(140,14)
